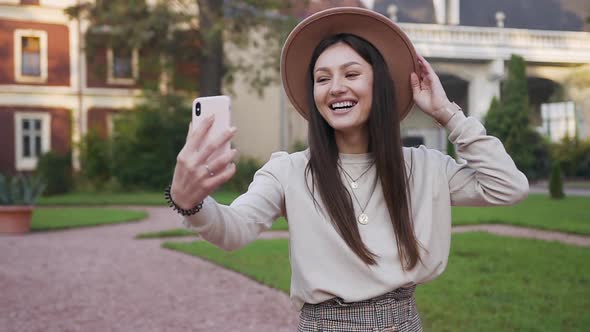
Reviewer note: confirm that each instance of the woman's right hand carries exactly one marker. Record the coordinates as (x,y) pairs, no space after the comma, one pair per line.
(195,176)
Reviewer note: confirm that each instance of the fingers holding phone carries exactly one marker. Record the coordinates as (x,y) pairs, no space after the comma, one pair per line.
(205,162)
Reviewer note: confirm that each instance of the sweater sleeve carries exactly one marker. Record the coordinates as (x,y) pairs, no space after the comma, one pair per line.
(231,227)
(488,175)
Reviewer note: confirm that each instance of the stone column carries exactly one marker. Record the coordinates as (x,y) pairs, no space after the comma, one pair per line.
(483,87)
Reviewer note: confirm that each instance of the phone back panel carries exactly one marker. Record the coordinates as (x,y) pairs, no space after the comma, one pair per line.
(221,107)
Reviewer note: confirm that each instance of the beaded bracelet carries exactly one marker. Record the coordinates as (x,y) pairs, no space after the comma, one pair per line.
(178,209)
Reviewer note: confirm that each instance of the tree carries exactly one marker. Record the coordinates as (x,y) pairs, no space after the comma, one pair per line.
(494,119)
(508,119)
(556,182)
(145,142)
(168,34)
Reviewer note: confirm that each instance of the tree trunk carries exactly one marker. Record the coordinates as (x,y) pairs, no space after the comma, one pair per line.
(211,59)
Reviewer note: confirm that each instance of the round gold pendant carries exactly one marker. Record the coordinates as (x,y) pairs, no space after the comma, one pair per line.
(354,185)
(363,219)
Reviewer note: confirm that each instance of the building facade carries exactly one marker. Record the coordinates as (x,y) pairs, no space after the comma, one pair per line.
(51,94)
(469,43)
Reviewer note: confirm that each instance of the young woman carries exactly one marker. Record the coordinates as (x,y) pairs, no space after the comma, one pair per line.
(368,219)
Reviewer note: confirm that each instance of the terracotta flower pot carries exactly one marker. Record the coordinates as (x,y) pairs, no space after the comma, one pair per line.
(15,218)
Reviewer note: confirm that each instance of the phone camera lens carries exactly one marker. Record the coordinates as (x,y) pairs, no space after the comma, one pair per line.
(198,109)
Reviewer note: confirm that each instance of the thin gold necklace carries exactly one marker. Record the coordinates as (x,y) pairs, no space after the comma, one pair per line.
(353,182)
(362,218)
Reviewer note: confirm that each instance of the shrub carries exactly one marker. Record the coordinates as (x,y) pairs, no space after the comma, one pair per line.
(147,140)
(95,158)
(298,145)
(20,189)
(451,149)
(574,157)
(56,172)
(508,120)
(556,182)
(245,169)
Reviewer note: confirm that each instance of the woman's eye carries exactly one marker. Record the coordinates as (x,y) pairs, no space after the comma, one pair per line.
(321,79)
(351,75)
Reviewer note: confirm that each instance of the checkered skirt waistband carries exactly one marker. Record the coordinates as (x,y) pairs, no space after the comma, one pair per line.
(393,311)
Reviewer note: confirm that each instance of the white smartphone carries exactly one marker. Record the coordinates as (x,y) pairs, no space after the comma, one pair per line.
(221,107)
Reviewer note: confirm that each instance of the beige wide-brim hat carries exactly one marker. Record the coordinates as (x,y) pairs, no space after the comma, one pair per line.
(386,37)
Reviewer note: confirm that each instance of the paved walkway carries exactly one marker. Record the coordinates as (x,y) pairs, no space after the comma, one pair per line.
(542,188)
(102,279)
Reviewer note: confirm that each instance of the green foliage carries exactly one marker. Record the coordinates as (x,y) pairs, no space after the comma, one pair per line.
(154,30)
(20,189)
(298,145)
(56,172)
(147,140)
(125,25)
(95,159)
(574,157)
(509,121)
(451,149)
(495,122)
(245,169)
(556,182)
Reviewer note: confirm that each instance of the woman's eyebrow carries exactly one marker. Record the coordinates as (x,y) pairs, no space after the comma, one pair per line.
(348,64)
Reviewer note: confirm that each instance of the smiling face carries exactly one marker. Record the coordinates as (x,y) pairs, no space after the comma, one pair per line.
(343,88)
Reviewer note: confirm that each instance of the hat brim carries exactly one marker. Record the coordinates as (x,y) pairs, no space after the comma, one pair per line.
(393,44)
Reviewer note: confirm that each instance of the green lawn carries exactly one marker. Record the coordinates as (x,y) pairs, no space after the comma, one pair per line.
(264,260)
(175,232)
(48,219)
(491,284)
(132,198)
(537,211)
(279,225)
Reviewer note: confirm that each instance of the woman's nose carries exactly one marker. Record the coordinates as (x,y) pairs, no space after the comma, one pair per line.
(337,87)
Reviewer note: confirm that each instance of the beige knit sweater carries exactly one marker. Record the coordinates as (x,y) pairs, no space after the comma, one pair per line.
(322,265)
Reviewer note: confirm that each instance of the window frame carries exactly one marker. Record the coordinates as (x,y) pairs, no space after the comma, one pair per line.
(18,75)
(111,79)
(30,163)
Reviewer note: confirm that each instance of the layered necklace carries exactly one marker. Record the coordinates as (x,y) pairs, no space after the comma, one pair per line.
(353,182)
(362,218)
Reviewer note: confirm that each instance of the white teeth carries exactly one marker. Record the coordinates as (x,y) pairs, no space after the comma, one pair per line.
(343,104)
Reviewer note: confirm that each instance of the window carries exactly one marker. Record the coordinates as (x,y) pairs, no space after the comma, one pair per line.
(32,138)
(122,66)
(30,56)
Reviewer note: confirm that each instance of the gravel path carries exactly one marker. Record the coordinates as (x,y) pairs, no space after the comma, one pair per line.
(101,279)
(504,230)
(529,233)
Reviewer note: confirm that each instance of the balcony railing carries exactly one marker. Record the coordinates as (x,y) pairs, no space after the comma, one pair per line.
(492,43)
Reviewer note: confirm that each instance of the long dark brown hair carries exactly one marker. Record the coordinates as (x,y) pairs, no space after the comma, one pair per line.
(385,145)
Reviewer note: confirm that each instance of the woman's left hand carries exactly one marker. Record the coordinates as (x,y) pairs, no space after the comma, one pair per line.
(428,92)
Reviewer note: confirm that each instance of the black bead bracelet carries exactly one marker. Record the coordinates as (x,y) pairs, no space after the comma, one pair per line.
(178,209)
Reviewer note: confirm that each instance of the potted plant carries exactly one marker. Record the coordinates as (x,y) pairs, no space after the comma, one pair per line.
(18,195)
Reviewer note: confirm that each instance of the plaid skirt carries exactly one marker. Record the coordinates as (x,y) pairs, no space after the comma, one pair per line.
(393,311)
